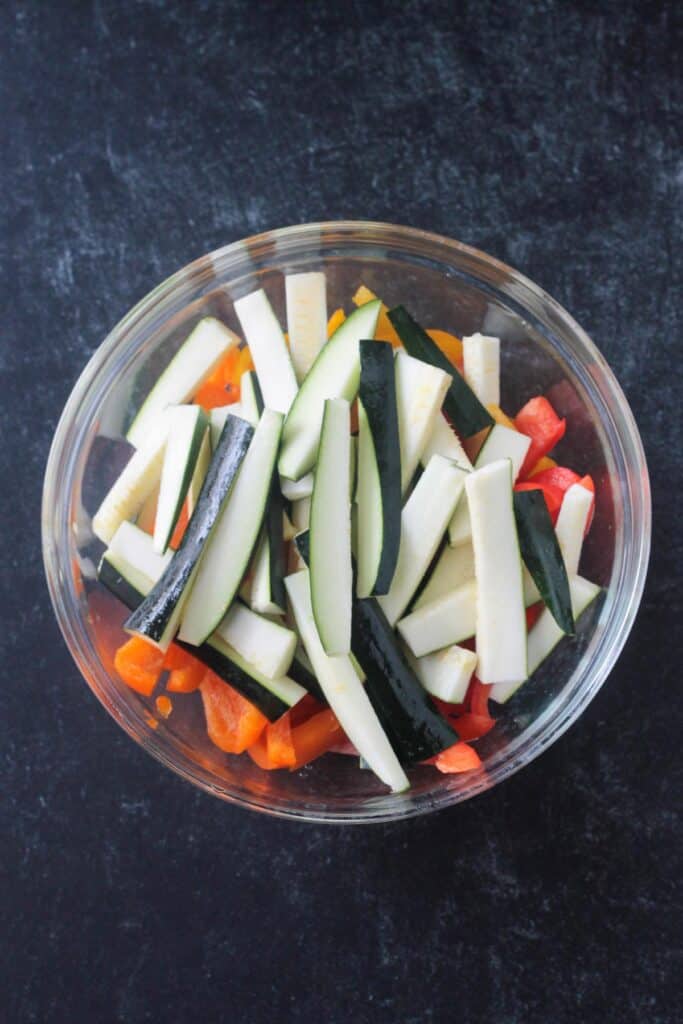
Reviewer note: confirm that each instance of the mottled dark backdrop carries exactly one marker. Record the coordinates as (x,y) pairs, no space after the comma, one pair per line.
(134,137)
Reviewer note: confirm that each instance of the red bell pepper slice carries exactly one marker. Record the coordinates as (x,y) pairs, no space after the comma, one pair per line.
(553,495)
(539,421)
(558,476)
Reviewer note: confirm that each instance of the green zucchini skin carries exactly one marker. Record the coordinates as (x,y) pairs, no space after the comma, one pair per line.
(461,405)
(378,395)
(153,614)
(276,543)
(542,556)
(414,726)
(301,675)
(251,689)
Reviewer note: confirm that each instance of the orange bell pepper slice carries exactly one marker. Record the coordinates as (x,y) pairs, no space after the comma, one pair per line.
(335,321)
(449,345)
(314,737)
(385,330)
(461,757)
(232,723)
(139,664)
(279,743)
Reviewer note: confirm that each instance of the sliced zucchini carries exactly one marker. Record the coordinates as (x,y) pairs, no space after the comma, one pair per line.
(501,443)
(187,430)
(424,519)
(335,374)
(217,418)
(266,645)
(260,591)
(295,490)
(572,524)
(195,360)
(420,392)
(200,470)
(139,479)
(130,566)
(546,634)
(501,620)
(158,615)
(444,441)
(268,348)
(481,363)
(443,621)
(227,550)
(379,471)
(274,522)
(148,513)
(542,555)
(251,398)
(301,514)
(330,540)
(455,566)
(306,318)
(343,690)
(461,405)
(446,674)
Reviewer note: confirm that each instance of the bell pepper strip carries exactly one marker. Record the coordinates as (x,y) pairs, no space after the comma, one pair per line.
(500,417)
(187,679)
(223,386)
(533,614)
(164,705)
(553,495)
(180,526)
(477,697)
(232,723)
(315,737)
(385,330)
(472,727)
(539,421)
(461,757)
(449,345)
(304,709)
(279,743)
(139,664)
(258,752)
(335,321)
(557,476)
(545,463)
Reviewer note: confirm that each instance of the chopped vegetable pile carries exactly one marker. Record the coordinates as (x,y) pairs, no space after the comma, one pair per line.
(337,540)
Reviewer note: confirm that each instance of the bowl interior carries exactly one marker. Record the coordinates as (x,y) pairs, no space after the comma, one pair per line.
(444,285)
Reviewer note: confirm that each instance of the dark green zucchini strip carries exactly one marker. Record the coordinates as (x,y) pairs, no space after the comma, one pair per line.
(304,677)
(413,724)
(378,396)
(461,405)
(276,543)
(152,617)
(542,556)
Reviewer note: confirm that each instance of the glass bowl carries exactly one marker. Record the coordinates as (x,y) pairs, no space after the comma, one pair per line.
(444,284)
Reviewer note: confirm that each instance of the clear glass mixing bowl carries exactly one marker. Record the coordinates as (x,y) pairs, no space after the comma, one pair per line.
(447,285)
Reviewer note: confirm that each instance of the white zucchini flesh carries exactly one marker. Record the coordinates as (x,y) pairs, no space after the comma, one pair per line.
(481,363)
(260,599)
(200,471)
(295,490)
(455,566)
(195,360)
(368,540)
(186,434)
(249,401)
(420,391)
(446,673)
(267,645)
(133,549)
(148,512)
(330,532)
(444,441)
(283,687)
(217,418)
(224,559)
(335,374)
(268,348)
(306,297)
(442,622)
(501,621)
(501,443)
(301,514)
(344,691)
(546,634)
(424,519)
(138,480)
(571,525)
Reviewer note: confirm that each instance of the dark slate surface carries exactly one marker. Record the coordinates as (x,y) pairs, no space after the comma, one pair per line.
(137,135)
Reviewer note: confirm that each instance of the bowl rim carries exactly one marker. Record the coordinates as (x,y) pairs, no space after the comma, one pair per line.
(360,231)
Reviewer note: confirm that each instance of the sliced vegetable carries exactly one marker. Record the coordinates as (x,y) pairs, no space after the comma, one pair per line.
(420,392)
(330,538)
(217,418)
(268,350)
(446,673)
(274,523)
(186,432)
(251,399)
(461,405)
(539,421)
(542,556)
(449,345)
(424,519)
(455,566)
(201,468)
(267,645)
(296,490)
(306,319)
(443,621)
(139,479)
(158,615)
(260,591)
(139,663)
(227,549)
(335,374)
(552,495)
(232,723)
(481,361)
(458,758)
(315,737)
(501,623)
(279,743)
(379,471)
(194,361)
(572,525)
(336,320)
(557,476)
(384,331)
(344,690)
(444,441)
(546,634)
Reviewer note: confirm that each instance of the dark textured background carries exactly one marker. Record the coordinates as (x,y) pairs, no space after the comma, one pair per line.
(136,136)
